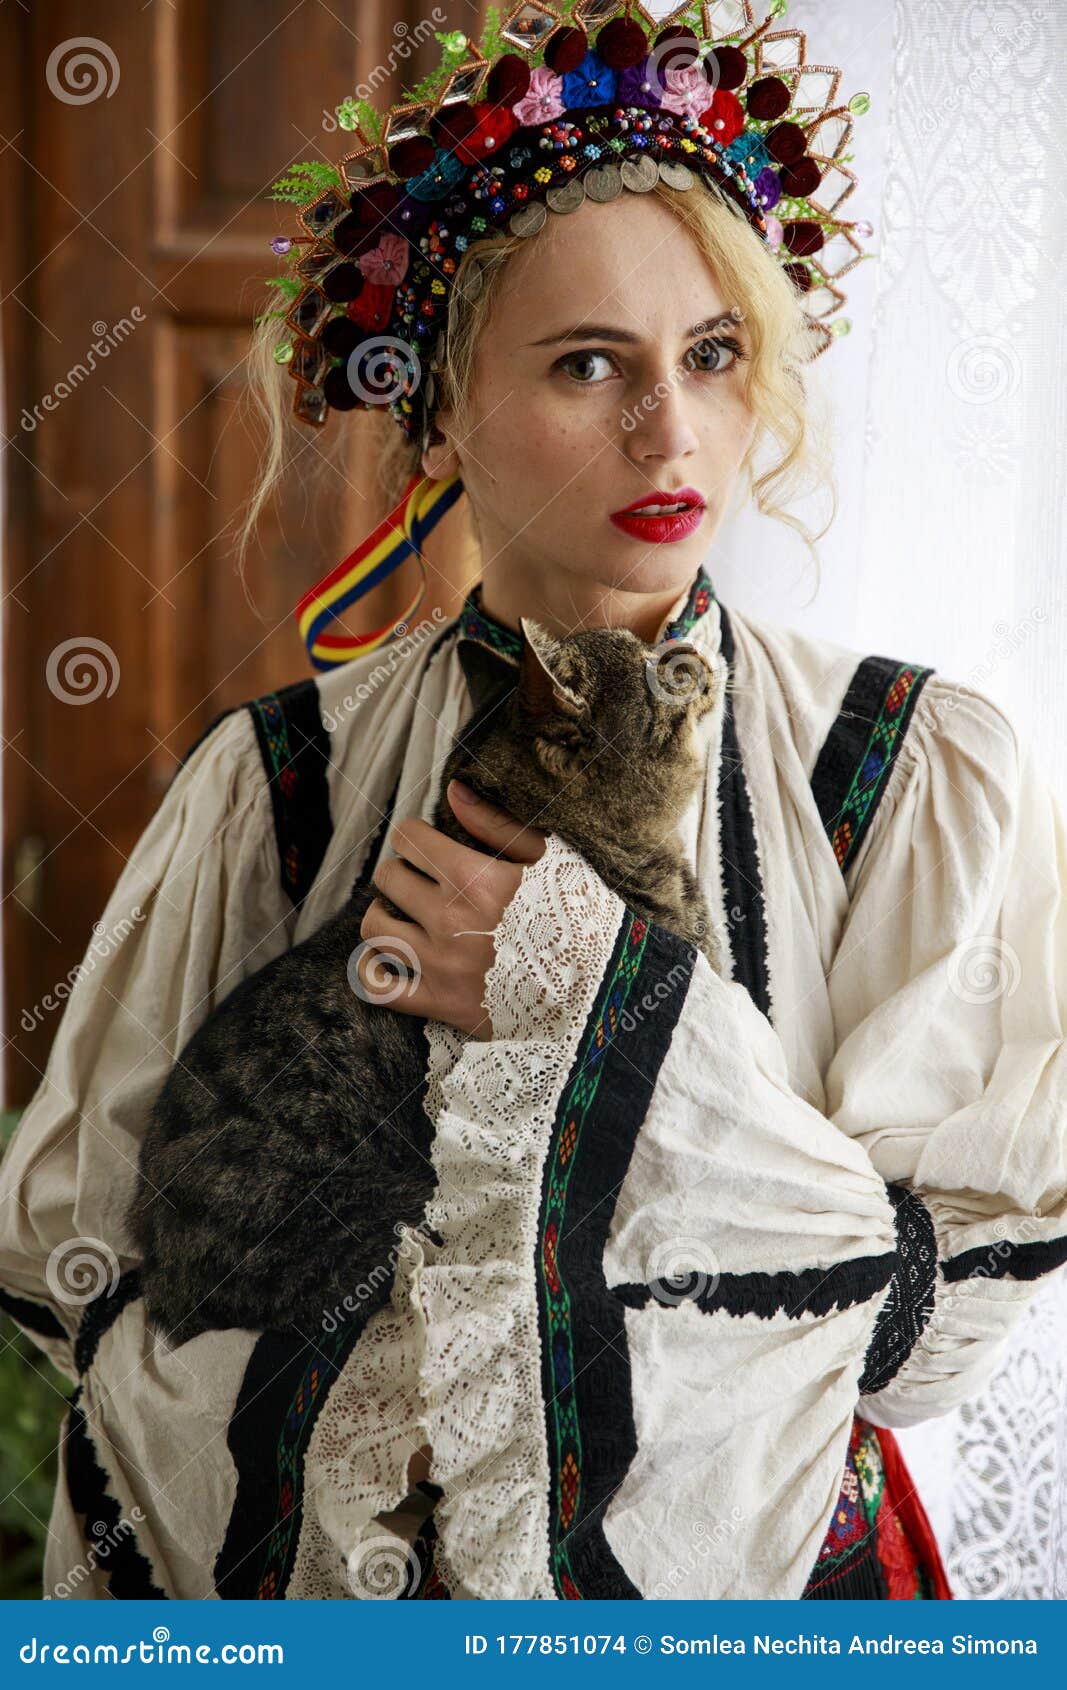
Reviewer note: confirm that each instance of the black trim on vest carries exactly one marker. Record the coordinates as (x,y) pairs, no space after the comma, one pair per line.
(286,1382)
(35,1317)
(295,748)
(808,1291)
(129,1571)
(1001,1260)
(585,1363)
(741,877)
(853,767)
(910,1303)
(100,1315)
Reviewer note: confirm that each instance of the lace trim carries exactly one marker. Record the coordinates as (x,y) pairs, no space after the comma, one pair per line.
(493,1104)
(910,1302)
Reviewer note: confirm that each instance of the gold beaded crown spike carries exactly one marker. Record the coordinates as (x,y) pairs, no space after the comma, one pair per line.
(558,103)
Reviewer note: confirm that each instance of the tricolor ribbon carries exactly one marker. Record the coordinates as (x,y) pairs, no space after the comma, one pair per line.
(402,533)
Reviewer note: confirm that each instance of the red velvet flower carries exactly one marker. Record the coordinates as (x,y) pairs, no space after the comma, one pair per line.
(493,126)
(374,307)
(724,118)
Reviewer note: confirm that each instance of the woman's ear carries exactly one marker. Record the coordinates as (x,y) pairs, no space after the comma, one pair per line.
(439,456)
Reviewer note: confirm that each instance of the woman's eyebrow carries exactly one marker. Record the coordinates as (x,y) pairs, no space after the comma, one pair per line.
(622,337)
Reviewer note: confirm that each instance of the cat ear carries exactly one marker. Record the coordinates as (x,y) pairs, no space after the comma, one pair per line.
(485,669)
(541,693)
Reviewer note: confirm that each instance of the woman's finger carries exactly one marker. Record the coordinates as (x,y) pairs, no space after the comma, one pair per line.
(509,838)
(415,894)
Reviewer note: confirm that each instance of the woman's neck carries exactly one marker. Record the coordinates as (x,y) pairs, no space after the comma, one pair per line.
(567,603)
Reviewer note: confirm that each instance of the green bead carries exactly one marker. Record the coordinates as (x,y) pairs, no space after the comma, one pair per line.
(779,8)
(454,43)
(840,327)
(348,119)
(283,352)
(860,104)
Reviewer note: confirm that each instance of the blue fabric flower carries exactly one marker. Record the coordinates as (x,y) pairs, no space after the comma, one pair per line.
(749,149)
(592,83)
(440,177)
(630,89)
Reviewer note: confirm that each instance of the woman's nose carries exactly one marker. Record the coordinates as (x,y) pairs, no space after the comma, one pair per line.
(660,427)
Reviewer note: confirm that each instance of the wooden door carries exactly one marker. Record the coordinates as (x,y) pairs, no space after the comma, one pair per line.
(135,247)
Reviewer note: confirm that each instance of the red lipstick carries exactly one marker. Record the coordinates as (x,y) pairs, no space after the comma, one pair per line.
(662,524)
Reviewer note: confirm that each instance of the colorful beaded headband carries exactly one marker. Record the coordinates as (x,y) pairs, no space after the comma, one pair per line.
(557,104)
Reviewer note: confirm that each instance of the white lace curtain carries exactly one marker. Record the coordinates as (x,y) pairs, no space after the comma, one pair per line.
(949,397)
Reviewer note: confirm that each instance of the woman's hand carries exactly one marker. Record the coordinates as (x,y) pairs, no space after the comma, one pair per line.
(453,897)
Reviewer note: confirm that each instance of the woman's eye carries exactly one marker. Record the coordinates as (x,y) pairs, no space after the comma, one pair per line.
(719,353)
(582,365)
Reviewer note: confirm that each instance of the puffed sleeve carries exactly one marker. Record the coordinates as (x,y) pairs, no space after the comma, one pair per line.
(949,995)
(198,906)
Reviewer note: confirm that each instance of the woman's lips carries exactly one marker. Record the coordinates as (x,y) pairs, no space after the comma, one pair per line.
(657,529)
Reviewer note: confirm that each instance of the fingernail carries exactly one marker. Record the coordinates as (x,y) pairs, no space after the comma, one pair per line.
(463,791)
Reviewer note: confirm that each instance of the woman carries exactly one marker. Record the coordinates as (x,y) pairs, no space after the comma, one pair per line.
(699,1236)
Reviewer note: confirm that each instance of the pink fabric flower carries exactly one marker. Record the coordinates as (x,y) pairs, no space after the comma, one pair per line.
(386,264)
(543,101)
(775,232)
(687,90)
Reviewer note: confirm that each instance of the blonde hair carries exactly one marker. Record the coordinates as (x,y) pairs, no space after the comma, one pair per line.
(748,275)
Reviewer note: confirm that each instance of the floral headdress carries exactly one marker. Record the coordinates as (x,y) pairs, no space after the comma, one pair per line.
(558,103)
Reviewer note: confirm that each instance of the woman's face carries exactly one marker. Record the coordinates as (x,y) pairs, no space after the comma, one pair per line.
(604,377)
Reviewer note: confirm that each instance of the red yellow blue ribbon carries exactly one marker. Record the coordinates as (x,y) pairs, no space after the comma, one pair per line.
(401,535)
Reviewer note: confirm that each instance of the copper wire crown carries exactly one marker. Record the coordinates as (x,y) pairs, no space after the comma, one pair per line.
(557,104)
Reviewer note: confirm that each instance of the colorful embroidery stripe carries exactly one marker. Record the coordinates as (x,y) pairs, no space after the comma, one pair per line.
(574,1110)
(475,625)
(855,762)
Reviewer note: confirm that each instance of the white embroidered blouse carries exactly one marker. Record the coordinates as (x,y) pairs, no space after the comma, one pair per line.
(687,1222)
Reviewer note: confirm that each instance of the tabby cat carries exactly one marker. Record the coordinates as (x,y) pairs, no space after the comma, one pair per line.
(290,1138)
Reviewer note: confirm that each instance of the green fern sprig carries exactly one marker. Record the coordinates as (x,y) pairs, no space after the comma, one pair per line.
(307,179)
(493,43)
(289,285)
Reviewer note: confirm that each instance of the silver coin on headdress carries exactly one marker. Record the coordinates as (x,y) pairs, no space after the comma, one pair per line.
(440,345)
(567,197)
(639,174)
(675,175)
(429,391)
(604,183)
(529,219)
